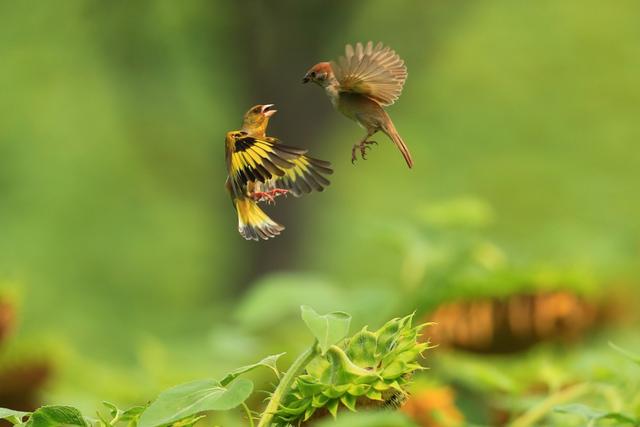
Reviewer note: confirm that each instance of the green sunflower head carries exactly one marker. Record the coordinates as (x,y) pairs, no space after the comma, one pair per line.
(368,369)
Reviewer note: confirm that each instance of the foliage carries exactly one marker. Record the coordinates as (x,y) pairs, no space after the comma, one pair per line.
(546,386)
(370,419)
(386,360)
(327,329)
(188,400)
(594,416)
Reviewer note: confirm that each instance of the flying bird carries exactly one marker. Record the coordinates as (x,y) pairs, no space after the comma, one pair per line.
(359,84)
(261,168)
(255,123)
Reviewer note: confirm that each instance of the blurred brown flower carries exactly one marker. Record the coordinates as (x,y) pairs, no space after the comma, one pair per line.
(434,407)
(20,383)
(6,319)
(515,323)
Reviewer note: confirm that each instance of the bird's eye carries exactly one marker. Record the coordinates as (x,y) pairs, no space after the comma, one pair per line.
(256,110)
(313,74)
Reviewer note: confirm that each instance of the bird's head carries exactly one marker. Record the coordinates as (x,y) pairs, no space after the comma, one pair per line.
(321,73)
(257,118)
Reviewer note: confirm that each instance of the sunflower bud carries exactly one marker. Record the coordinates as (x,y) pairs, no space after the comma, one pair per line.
(370,369)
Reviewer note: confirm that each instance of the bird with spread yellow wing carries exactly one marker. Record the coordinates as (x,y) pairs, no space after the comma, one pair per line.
(260,168)
(359,85)
(304,177)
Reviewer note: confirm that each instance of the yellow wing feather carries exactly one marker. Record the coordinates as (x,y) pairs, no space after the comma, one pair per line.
(307,175)
(274,165)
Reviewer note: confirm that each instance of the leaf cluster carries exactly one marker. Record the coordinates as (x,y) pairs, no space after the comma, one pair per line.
(366,366)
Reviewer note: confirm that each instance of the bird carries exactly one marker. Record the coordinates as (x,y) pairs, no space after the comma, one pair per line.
(260,167)
(360,84)
(255,123)
(297,180)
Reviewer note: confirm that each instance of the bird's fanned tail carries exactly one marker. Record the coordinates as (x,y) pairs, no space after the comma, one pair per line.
(253,222)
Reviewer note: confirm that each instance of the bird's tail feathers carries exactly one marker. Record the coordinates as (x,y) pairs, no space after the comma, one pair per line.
(391,131)
(253,222)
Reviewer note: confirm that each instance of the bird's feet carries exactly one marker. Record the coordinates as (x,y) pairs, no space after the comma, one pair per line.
(362,146)
(268,196)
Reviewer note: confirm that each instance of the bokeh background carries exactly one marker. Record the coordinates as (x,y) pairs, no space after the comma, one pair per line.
(121,270)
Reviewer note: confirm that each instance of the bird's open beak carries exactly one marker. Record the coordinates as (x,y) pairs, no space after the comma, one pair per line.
(268,110)
(306,79)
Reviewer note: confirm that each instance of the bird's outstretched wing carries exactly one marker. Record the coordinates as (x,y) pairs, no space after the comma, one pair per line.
(306,175)
(377,72)
(266,161)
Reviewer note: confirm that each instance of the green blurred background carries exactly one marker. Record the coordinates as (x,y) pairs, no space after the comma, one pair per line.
(118,244)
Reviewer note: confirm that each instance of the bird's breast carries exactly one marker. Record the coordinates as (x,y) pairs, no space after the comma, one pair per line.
(359,108)
(334,95)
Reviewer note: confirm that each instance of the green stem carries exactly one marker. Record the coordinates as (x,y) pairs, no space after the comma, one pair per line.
(248,411)
(539,411)
(285,384)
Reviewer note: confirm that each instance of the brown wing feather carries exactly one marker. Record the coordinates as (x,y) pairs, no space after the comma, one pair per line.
(377,72)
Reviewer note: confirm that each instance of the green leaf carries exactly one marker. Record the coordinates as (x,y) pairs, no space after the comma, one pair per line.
(132,413)
(118,415)
(349,401)
(14,417)
(591,414)
(368,419)
(362,348)
(328,329)
(55,416)
(332,407)
(343,371)
(359,389)
(192,398)
(114,411)
(188,422)
(632,356)
(391,331)
(285,293)
(577,409)
(269,362)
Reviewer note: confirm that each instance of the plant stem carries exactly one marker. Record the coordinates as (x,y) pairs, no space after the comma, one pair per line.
(248,411)
(285,384)
(538,412)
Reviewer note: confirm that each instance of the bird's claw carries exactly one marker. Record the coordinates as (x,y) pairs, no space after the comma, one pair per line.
(261,196)
(280,192)
(363,146)
(268,196)
(363,151)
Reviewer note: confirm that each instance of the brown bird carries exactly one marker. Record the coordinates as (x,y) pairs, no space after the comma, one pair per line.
(359,85)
